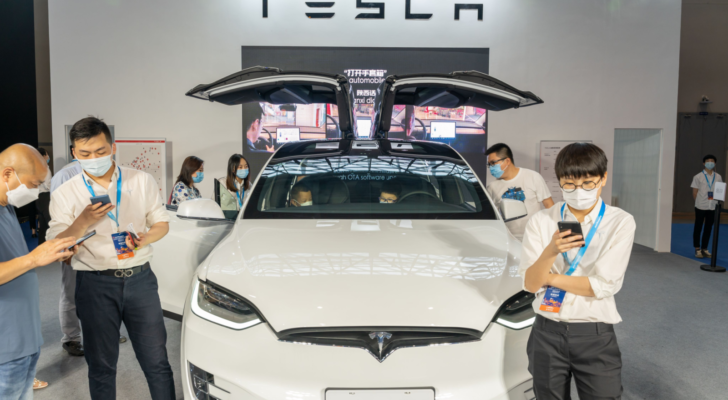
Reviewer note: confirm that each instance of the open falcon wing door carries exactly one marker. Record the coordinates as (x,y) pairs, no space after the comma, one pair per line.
(197,226)
(271,85)
(456,89)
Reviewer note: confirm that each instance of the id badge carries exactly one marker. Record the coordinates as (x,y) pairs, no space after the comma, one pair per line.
(710,195)
(552,300)
(122,250)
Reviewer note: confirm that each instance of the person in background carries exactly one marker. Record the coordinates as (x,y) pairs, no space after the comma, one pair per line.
(70,325)
(390,192)
(235,186)
(515,183)
(44,200)
(573,334)
(22,170)
(301,195)
(703,186)
(114,283)
(192,172)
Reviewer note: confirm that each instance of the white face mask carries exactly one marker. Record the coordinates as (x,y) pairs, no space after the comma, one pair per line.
(96,166)
(305,203)
(581,199)
(21,195)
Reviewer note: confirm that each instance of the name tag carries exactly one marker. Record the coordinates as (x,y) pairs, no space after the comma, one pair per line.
(552,300)
(710,195)
(122,250)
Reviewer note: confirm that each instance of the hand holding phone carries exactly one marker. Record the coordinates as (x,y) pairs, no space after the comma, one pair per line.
(572,226)
(81,240)
(104,199)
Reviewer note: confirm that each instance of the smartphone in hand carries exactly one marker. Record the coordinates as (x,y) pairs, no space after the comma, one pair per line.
(103,199)
(575,228)
(132,232)
(82,239)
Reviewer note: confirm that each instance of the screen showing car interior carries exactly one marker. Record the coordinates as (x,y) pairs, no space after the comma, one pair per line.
(361,186)
(288,135)
(442,130)
(363,127)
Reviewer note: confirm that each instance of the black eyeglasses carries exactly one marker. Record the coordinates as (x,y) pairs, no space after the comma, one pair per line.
(492,163)
(588,185)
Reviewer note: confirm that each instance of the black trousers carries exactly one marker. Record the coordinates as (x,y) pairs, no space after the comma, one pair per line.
(588,351)
(102,303)
(707,216)
(44,215)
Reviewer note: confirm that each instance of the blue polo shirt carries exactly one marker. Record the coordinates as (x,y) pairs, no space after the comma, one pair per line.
(19,310)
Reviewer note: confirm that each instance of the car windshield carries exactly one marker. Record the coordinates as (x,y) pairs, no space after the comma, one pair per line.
(355,186)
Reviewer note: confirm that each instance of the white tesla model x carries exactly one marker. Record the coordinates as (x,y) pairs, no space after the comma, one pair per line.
(352,298)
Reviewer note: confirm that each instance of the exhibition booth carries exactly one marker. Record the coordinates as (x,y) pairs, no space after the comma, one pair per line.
(362,255)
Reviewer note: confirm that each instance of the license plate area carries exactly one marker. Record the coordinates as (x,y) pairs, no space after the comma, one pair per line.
(380,394)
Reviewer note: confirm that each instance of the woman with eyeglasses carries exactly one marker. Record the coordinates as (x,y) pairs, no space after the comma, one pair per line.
(235,186)
(191,174)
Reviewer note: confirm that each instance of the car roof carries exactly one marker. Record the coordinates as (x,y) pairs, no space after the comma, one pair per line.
(367,147)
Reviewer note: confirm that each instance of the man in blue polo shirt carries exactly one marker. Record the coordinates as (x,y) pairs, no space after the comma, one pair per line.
(22,170)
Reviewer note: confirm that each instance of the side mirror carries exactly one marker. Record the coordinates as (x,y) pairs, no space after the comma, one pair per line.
(511,209)
(202,209)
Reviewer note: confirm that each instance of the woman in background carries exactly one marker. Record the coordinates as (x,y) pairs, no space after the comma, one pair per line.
(234,187)
(192,173)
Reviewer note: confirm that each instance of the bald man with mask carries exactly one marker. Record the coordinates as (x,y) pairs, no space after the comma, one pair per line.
(22,170)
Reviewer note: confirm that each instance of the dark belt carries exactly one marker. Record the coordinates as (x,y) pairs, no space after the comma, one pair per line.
(121,273)
(572,328)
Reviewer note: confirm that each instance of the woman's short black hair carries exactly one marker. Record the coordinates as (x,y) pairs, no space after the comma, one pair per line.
(709,157)
(87,128)
(580,160)
(189,166)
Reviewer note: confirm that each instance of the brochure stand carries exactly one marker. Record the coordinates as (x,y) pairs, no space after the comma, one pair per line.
(719,195)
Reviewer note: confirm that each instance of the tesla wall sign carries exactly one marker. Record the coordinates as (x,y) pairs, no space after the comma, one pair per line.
(326,6)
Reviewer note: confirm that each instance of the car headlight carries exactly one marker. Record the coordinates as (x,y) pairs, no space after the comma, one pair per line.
(222,307)
(517,312)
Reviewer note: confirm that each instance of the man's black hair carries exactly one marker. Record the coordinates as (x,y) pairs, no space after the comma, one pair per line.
(392,187)
(255,112)
(709,157)
(42,151)
(298,188)
(88,128)
(579,160)
(501,150)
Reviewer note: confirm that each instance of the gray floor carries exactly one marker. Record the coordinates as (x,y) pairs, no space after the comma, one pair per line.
(673,337)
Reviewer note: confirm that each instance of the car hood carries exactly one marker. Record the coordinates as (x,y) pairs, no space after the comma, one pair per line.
(364,273)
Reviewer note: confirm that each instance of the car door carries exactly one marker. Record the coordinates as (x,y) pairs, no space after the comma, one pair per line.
(453,90)
(192,237)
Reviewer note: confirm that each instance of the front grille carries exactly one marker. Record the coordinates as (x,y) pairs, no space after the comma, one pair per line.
(369,339)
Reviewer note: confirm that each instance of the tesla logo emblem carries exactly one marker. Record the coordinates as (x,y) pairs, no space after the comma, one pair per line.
(381,337)
(408,14)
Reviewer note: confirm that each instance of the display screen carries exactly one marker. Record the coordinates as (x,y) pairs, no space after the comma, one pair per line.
(288,135)
(363,127)
(442,130)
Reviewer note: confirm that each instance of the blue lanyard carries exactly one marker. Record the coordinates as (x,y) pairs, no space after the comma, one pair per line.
(118,197)
(710,184)
(573,264)
(240,201)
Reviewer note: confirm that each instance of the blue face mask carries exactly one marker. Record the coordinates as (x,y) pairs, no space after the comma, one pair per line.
(496,171)
(710,165)
(200,176)
(242,173)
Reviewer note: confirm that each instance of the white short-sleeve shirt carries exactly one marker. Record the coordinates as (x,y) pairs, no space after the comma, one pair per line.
(141,205)
(701,183)
(527,186)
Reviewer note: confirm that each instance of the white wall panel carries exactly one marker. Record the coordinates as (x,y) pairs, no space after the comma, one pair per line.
(598,65)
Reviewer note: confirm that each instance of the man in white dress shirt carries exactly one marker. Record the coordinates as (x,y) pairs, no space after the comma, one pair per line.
(114,280)
(573,334)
